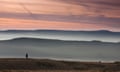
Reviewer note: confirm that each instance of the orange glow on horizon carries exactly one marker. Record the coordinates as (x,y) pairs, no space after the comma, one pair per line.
(34,24)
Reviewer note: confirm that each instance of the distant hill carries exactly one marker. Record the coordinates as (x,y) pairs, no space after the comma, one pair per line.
(101,35)
(84,50)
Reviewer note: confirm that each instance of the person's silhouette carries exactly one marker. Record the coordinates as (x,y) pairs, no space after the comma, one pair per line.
(26,55)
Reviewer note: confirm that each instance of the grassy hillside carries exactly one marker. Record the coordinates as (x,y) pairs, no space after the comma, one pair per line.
(45,65)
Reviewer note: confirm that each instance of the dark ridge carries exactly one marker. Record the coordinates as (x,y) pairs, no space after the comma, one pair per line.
(56,30)
(31,39)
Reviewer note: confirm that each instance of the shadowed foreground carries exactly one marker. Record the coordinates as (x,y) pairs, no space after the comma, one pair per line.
(45,65)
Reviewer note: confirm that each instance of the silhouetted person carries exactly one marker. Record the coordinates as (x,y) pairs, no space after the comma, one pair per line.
(26,55)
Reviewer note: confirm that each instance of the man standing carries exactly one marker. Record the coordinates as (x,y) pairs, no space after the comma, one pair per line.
(26,55)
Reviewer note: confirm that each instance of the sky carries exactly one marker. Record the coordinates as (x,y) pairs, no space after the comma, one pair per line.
(60,14)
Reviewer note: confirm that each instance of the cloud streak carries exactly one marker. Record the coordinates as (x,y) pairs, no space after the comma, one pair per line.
(113,22)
